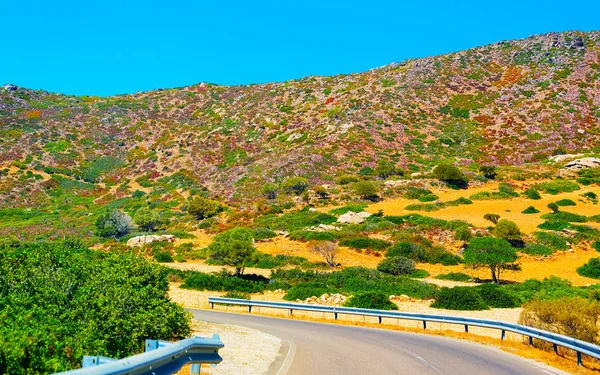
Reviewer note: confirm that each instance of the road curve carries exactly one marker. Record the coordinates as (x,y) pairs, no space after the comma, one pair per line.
(321,348)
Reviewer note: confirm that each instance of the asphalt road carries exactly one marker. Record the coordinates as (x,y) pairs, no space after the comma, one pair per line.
(320,348)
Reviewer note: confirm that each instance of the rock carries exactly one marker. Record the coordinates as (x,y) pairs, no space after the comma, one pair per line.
(142,240)
(353,217)
(10,87)
(559,158)
(312,209)
(584,163)
(325,227)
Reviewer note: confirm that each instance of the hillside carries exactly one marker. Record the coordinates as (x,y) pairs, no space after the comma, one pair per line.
(505,104)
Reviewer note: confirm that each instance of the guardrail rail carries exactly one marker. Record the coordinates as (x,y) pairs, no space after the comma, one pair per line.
(160,358)
(580,347)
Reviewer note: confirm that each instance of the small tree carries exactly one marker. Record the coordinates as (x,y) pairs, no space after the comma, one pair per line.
(203,208)
(398,265)
(492,217)
(366,190)
(232,247)
(462,234)
(385,169)
(326,249)
(450,174)
(114,224)
(488,171)
(495,253)
(146,219)
(269,190)
(554,207)
(295,185)
(321,192)
(508,230)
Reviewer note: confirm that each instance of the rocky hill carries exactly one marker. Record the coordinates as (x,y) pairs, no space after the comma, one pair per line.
(510,103)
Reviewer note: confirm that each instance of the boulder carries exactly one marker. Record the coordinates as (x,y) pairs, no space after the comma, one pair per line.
(353,217)
(143,240)
(583,163)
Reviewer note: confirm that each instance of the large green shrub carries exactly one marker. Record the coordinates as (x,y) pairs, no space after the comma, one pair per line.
(398,265)
(557,186)
(229,283)
(496,296)
(146,219)
(508,230)
(450,174)
(590,269)
(494,253)
(371,300)
(364,243)
(113,224)
(306,290)
(532,194)
(295,185)
(366,189)
(60,301)
(554,241)
(203,208)
(459,298)
(565,202)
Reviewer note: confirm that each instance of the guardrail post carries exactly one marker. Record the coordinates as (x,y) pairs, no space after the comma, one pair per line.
(579,359)
(90,361)
(379,319)
(249,308)
(335,315)
(555,347)
(503,335)
(466,328)
(291,312)
(424,324)
(195,369)
(530,340)
(212,305)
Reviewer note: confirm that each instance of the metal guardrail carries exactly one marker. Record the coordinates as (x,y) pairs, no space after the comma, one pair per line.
(580,347)
(160,358)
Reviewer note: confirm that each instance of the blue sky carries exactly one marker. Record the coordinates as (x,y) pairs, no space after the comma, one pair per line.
(111,47)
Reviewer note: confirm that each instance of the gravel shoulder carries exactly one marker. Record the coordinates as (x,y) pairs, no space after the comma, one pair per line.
(246,351)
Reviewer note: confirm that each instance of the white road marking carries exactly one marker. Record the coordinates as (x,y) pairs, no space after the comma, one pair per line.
(288,359)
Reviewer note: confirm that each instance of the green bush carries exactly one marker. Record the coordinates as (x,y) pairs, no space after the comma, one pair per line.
(371,300)
(409,250)
(532,194)
(295,185)
(498,297)
(590,269)
(565,202)
(146,219)
(297,220)
(554,241)
(398,265)
(306,290)
(537,249)
(450,174)
(238,295)
(596,245)
(459,298)
(203,208)
(554,225)
(565,216)
(309,235)
(463,234)
(222,283)
(364,243)
(366,189)
(347,179)
(428,198)
(416,193)
(163,256)
(454,276)
(590,195)
(263,233)
(54,296)
(530,210)
(557,186)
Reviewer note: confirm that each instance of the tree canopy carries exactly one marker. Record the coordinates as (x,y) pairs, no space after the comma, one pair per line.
(495,253)
(146,219)
(203,208)
(232,248)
